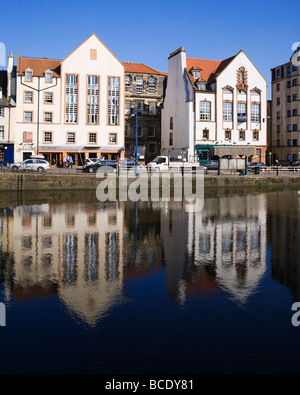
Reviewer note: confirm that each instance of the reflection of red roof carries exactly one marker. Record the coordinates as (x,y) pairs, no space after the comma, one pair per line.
(39,66)
(205,286)
(140,68)
(210,69)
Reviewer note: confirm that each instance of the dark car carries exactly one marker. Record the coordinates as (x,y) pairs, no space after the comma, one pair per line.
(212,165)
(107,166)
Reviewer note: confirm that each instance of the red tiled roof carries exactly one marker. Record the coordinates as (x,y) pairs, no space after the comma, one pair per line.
(209,68)
(39,66)
(140,68)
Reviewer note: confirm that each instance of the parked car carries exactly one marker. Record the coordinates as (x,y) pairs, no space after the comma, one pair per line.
(256,164)
(35,163)
(91,161)
(296,164)
(107,166)
(212,165)
(126,164)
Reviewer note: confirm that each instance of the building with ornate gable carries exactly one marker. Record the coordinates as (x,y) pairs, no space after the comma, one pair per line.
(211,104)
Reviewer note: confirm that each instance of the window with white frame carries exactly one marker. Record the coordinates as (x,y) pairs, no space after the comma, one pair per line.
(255,135)
(93,138)
(113,100)
(113,138)
(28,75)
(71,137)
(1,132)
(93,99)
(242,112)
(48,117)
(48,77)
(205,110)
(2,112)
(202,86)
(255,112)
(48,97)
(71,98)
(28,97)
(152,85)
(227,111)
(227,134)
(196,74)
(139,85)
(127,83)
(28,116)
(205,134)
(48,137)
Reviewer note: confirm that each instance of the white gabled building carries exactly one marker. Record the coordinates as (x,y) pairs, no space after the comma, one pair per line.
(211,103)
(73,106)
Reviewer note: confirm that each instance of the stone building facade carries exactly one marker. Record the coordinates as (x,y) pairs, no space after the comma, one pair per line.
(286,111)
(144,91)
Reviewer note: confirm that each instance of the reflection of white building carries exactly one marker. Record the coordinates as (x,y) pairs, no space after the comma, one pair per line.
(83,264)
(228,239)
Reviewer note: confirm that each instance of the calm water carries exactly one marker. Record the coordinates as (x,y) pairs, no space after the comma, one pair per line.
(148,288)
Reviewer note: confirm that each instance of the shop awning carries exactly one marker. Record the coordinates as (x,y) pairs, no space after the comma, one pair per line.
(232,150)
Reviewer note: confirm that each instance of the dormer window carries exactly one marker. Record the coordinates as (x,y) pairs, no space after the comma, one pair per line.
(201,86)
(28,75)
(48,76)
(196,74)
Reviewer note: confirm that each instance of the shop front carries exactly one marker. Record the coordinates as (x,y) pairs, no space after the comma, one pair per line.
(55,155)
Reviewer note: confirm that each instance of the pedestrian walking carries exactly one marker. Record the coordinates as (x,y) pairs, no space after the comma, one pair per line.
(64,161)
(71,162)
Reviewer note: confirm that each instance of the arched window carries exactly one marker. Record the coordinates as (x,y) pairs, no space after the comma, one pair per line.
(127,83)
(139,85)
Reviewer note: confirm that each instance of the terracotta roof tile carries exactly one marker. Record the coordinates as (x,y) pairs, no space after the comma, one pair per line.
(140,68)
(39,66)
(209,68)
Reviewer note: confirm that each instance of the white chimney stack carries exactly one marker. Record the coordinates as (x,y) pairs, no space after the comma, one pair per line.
(10,65)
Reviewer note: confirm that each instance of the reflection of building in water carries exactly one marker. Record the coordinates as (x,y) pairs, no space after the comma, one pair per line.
(143,249)
(72,250)
(284,236)
(224,246)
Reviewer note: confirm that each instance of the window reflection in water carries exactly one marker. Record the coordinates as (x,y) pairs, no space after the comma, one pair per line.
(70,258)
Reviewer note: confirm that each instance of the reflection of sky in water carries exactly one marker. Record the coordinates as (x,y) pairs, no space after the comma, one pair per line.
(139,268)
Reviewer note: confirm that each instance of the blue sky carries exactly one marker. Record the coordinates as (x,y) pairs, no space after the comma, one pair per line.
(147,32)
